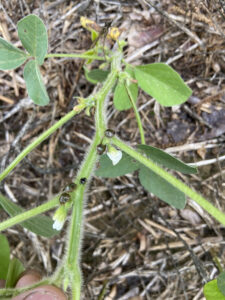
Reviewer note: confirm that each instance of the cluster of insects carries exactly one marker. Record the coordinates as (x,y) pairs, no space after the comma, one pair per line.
(68,189)
(109,133)
(65,197)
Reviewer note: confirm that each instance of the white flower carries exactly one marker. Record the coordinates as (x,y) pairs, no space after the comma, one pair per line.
(57,225)
(59,218)
(114,154)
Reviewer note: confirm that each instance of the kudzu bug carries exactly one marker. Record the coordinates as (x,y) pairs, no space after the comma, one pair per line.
(109,133)
(64,198)
(70,187)
(83,180)
(101,149)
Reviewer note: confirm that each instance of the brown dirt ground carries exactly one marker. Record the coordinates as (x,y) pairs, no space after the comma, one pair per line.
(134,244)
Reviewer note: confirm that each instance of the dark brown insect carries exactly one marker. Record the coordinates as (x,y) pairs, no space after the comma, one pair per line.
(64,198)
(83,180)
(101,149)
(70,187)
(109,133)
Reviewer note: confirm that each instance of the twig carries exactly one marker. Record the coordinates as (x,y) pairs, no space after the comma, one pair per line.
(181,26)
(24,103)
(207,162)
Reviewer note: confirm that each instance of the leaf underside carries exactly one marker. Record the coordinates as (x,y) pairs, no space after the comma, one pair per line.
(96,75)
(158,186)
(166,160)
(41,224)
(126,165)
(34,82)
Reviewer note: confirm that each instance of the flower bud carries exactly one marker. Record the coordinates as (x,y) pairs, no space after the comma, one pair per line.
(59,218)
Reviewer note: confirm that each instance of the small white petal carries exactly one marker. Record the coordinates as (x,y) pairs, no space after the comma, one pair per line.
(57,225)
(115,156)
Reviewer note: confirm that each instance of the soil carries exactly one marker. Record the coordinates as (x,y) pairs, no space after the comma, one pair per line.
(135,246)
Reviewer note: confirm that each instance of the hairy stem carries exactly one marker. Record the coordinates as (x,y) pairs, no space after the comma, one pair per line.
(34,144)
(206,205)
(72,259)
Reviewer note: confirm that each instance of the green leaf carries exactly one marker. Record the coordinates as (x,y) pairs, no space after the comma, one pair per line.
(166,159)
(121,98)
(33,35)
(35,86)
(212,292)
(124,166)
(162,83)
(14,271)
(161,188)
(41,225)
(10,56)
(221,282)
(96,75)
(4,256)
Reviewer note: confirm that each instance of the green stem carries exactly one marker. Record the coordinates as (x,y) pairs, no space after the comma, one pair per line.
(137,115)
(100,97)
(28,214)
(103,291)
(216,260)
(77,279)
(10,292)
(40,139)
(77,213)
(74,55)
(72,259)
(206,205)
